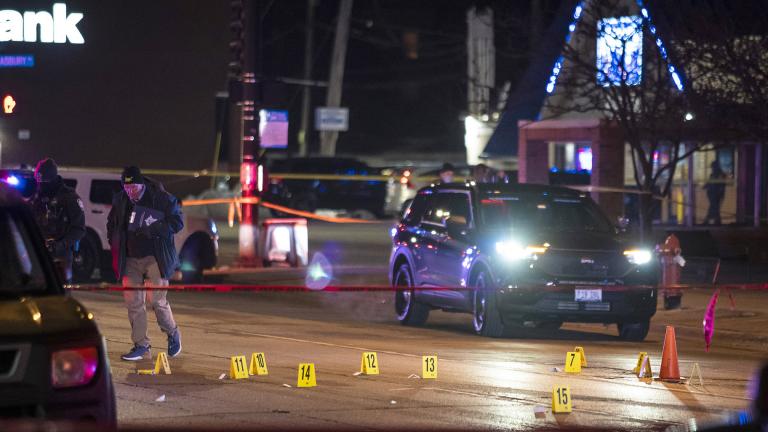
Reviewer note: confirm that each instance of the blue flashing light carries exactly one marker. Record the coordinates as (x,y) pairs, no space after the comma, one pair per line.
(675,76)
(572,27)
(644,11)
(12,180)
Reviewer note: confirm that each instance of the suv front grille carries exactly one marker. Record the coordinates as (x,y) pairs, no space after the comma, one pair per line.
(584,264)
(7,358)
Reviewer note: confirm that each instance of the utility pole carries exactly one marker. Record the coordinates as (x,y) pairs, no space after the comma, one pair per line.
(309,30)
(333,97)
(243,84)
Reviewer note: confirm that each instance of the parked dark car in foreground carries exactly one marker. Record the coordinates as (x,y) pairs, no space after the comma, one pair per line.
(53,361)
(519,253)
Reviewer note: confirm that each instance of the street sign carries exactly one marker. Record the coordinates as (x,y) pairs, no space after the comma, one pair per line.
(273,128)
(331,119)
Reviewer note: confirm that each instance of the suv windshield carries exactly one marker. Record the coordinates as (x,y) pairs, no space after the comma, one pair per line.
(542,213)
(21,272)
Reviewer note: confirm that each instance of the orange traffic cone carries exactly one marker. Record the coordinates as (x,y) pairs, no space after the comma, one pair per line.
(670,371)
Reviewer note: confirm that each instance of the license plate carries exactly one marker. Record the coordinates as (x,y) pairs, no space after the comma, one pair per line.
(589,295)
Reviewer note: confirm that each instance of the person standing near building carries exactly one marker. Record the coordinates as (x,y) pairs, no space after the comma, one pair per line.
(140,228)
(58,211)
(715,188)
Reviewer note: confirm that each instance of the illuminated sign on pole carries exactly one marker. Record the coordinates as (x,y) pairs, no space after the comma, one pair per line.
(58,27)
(273,128)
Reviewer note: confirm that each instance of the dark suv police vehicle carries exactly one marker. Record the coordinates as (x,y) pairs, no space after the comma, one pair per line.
(53,362)
(510,254)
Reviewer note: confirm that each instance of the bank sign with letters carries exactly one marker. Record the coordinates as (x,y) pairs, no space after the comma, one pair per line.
(57,26)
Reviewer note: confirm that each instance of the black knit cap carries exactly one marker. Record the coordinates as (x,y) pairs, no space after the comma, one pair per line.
(132,175)
(46,170)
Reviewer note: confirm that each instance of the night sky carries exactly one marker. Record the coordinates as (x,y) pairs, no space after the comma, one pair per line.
(141,89)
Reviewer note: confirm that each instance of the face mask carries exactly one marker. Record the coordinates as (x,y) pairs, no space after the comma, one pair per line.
(134,191)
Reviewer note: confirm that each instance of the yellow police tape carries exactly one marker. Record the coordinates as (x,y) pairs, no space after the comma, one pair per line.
(235,206)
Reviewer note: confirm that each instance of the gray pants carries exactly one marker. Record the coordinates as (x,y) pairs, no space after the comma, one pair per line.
(136,270)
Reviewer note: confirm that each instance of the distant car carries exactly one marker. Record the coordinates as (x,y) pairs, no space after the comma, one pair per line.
(53,360)
(510,254)
(197,243)
(351,196)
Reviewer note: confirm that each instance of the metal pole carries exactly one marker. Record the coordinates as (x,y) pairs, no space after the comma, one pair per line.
(309,30)
(248,234)
(333,98)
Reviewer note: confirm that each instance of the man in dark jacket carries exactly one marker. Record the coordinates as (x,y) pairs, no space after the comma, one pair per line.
(58,212)
(140,228)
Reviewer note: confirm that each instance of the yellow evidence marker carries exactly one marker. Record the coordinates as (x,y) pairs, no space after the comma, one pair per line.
(369,364)
(561,399)
(572,362)
(640,358)
(306,375)
(238,367)
(161,365)
(583,355)
(645,370)
(429,367)
(258,364)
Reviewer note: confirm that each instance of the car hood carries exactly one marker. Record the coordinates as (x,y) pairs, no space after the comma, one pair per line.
(42,315)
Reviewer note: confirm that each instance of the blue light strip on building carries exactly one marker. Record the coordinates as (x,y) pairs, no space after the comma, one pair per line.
(672,71)
(572,27)
(17,61)
(559,63)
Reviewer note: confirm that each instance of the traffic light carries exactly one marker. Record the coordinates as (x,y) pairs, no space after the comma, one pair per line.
(9,104)
(237,44)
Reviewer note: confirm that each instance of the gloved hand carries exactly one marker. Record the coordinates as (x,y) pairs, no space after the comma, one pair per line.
(158,229)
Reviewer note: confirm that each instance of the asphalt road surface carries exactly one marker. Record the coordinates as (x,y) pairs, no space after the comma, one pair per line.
(481,383)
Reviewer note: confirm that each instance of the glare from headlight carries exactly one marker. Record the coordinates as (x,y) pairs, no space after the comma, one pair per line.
(513,251)
(638,256)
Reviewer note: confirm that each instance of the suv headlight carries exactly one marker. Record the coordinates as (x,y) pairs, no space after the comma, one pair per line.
(74,367)
(514,251)
(638,256)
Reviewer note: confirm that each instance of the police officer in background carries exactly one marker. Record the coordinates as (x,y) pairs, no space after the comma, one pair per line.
(58,212)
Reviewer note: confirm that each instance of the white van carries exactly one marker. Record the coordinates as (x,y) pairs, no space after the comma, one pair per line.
(197,243)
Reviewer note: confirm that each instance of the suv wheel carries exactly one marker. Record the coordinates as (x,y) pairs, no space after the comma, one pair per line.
(409,311)
(85,259)
(485,313)
(635,332)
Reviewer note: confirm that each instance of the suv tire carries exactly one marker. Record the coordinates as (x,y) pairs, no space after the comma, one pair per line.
(635,332)
(486,318)
(409,311)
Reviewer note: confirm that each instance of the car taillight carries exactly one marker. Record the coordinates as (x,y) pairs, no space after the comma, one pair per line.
(73,367)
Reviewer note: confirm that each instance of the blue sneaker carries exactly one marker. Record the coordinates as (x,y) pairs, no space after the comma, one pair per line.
(174,343)
(137,353)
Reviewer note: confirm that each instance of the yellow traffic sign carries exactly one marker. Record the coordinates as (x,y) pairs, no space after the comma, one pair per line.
(640,358)
(238,367)
(258,364)
(561,399)
(162,364)
(572,362)
(369,364)
(306,375)
(583,355)
(429,367)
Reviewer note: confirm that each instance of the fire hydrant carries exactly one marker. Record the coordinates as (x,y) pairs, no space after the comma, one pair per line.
(671,263)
